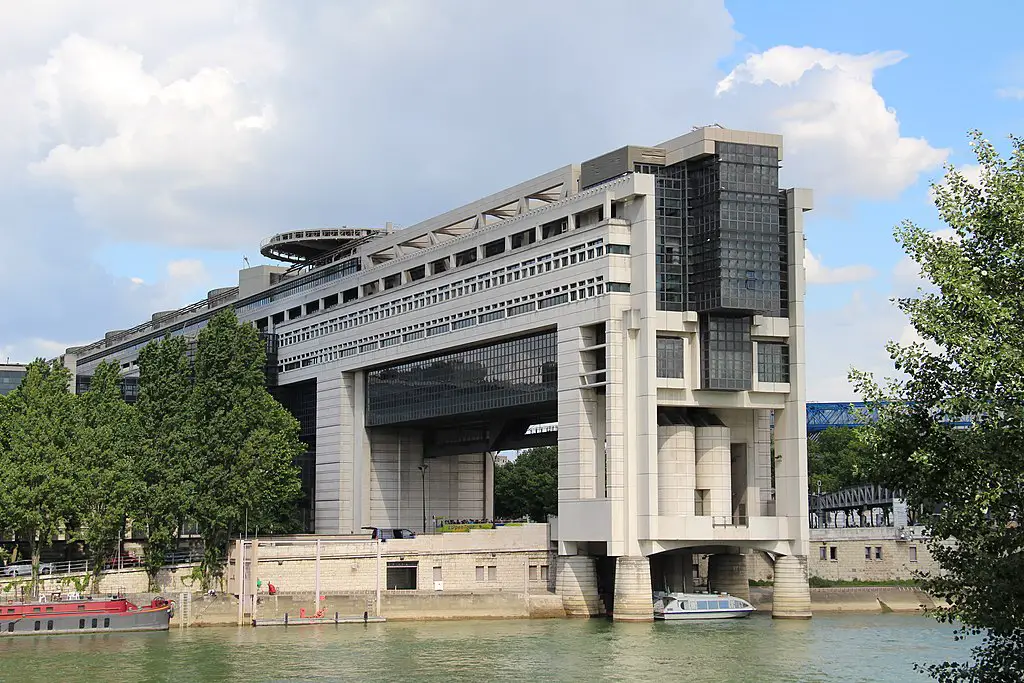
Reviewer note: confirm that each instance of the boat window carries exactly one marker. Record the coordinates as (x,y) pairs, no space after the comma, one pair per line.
(49,609)
(37,626)
(690,605)
(81,608)
(723,604)
(106,622)
(49,624)
(81,623)
(35,609)
(702,604)
(94,623)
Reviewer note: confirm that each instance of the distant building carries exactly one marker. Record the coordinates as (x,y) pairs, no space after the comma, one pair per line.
(10,377)
(500,460)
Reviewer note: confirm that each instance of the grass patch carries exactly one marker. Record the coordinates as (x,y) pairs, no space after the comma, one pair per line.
(755,582)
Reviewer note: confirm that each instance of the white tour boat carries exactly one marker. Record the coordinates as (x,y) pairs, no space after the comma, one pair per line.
(672,606)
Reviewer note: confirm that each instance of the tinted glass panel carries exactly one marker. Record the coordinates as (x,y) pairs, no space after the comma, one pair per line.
(510,373)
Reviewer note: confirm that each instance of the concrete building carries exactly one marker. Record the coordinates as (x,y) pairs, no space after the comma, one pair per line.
(11,375)
(648,301)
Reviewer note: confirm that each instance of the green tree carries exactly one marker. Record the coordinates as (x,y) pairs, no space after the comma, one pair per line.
(39,491)
(245,441)
(107,439)
(163,469)
(970,364)
(528,485)
(837,458)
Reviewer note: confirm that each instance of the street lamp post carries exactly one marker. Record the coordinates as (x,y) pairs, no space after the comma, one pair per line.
(423,481)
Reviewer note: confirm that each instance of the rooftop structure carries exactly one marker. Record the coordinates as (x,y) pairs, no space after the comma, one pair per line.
(648,302)
(11,375)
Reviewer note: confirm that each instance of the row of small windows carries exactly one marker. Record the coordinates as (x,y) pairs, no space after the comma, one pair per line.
(567,293)
(37,626)
(871,553)
(529,268)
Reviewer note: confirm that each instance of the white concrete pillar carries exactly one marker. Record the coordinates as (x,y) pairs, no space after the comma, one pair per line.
(727,573)
(576,584)
(633,595)
(714,470)
(763,463)
(791,597)
(676,473)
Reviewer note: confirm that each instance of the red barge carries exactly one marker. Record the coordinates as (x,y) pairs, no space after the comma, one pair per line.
(89,615)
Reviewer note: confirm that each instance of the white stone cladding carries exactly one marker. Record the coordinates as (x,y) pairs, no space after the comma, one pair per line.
(713,472)
(676,470)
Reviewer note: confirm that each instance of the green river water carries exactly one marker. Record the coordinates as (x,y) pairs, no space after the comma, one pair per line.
(828,648)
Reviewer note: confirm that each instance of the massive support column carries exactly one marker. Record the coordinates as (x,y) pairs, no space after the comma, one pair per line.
(633,600)
(676,480)
(727,573)
(576,583)
(713,472)
(792,596)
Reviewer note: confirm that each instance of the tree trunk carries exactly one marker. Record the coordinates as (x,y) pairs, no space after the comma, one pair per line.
(34,551)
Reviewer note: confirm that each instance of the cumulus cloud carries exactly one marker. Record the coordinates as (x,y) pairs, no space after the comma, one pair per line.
(840,136)
(1011,93)
(817,273)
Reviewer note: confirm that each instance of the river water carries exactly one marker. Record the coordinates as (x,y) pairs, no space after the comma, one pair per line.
(828,648)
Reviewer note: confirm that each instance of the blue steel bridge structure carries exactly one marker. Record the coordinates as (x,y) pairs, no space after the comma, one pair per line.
(822,416)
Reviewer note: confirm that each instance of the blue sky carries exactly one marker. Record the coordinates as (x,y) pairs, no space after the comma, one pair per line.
(145,150)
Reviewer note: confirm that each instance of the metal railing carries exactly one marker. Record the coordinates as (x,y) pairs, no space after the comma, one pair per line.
(65,567)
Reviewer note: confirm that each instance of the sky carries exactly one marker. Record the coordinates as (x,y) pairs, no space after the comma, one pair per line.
(147,148)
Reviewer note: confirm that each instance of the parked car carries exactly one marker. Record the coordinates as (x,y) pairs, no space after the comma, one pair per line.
(24,568)
(126,560)
(388,534)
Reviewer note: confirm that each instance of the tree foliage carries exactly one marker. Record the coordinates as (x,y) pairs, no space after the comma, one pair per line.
(39,492)
(836,459)
(164,464)
(970,363)
(528,486)
(205,443)
(104,462)
(245,441)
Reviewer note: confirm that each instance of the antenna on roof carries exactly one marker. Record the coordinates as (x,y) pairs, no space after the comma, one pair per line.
(245,260)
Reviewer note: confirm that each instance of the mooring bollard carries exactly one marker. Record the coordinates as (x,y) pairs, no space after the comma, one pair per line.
(365,616)
(335,618)
(285,618)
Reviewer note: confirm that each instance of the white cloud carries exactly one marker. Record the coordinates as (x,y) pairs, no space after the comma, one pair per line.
(133,145)
(27,350)
(840,136)
(818,273)
(1011,93)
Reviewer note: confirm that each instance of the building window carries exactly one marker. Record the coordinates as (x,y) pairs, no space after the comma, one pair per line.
(49,624)
(878,553)
(822,553)
(496,376)
(492,573)
(37,625)
(622,287)
(401,576)
(867,552)
(701,499)
(772,362)
(833,553)
(106,622)
(618,249)
(480,572)
(533,572)
(94,622)
(81,623)
(670,357)
(912,551)
(437,573)
(544,572)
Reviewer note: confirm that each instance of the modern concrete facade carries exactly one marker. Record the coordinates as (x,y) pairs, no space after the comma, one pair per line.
(649,301)
(11,375)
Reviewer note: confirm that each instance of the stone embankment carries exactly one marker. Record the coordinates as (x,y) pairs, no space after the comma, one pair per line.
(855,599)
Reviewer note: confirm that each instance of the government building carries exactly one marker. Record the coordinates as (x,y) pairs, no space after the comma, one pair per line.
(648,302)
